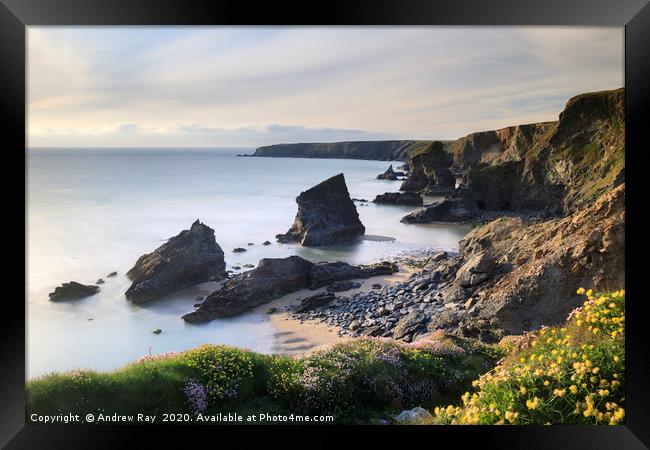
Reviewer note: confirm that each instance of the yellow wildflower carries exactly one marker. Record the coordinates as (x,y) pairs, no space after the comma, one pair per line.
(532,404)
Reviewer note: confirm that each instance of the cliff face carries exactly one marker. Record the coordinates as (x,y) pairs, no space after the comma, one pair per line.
(496,146)
(373,150)
(519,277)
(429,171)
(568,165)
(550,167)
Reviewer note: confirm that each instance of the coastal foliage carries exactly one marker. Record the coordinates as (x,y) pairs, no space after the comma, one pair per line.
(223,369)
(353,381)
(574,374)
(377,374)
(570,374)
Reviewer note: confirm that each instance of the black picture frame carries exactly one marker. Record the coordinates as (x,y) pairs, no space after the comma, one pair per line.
(16,15)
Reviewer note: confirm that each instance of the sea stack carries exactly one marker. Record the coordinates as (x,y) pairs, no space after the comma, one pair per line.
(191,257)
(326,215)
(390,174)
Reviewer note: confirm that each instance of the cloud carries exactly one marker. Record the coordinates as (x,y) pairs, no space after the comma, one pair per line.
(419,82)
(195,134)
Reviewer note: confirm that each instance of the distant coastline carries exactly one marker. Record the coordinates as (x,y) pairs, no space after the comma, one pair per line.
(371,150)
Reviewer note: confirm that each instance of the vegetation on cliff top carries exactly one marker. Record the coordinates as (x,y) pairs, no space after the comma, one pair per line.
(574,374)
(353,381)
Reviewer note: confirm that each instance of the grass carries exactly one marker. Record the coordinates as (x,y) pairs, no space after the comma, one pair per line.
(611,168)
(573,374)
(355,382)
(570,374)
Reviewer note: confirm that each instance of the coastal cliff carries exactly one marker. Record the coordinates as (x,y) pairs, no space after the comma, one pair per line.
(550,168)
(373,150)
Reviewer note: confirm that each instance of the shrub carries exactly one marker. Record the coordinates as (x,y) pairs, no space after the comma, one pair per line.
(376,373)
(571,375)
(222,369)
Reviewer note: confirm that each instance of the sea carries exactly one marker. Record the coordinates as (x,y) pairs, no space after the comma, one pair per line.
(93,211)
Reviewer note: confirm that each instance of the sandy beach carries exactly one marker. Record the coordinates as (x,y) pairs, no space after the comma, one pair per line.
(293,336)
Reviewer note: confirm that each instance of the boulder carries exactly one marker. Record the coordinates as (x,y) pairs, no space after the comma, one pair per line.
(326,215)
(341,286)
(272,278)
(325,273)
(191,257)
(478,268)
(73,291)
(408,325)
(315,301)
(410,416)
(372,330)
(400,198)
(239,250)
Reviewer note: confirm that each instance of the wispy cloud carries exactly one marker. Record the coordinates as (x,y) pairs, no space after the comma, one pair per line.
(195,134)
(251,86)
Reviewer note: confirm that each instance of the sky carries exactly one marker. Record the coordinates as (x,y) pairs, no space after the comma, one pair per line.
(253,86)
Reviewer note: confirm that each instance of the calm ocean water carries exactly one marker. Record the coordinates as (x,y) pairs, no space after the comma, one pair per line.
(94,211)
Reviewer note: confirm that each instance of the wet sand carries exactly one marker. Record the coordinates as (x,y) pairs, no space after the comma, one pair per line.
(293,337)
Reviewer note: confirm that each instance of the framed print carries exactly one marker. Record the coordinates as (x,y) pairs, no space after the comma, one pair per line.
(404,218)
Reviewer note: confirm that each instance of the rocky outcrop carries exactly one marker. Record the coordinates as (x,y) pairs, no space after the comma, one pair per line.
(275,277)
(325,273)
(549,168)
(72,291)
(399,198)
(428,171)
(390,174)
(326,215)
(373,150)
(454,210)
(510,276)
(191,257)
(516,276)
(272,278)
